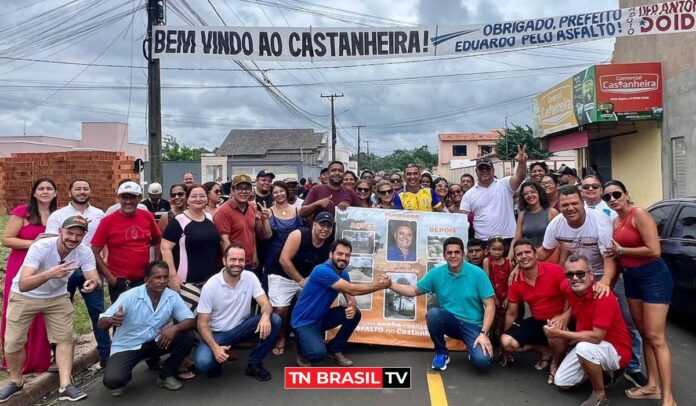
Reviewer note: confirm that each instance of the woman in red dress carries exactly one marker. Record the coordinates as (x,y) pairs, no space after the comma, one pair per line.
(27,224)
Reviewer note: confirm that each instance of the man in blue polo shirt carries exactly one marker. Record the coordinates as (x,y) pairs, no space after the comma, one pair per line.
(467,305)
(313,314)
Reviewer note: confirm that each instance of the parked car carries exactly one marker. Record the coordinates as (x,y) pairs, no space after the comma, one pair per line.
(676,226)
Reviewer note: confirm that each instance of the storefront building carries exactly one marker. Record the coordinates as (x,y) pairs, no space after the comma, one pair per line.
(611,116)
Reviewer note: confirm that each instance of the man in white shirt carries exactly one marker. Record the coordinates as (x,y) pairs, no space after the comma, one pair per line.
(591,190)
(491,202)
(40,286)
(224,317)
(80,193)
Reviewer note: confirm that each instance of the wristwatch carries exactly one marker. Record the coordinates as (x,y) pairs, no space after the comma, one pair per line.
(485,333)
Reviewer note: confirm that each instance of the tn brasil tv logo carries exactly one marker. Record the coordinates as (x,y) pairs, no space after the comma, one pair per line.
(347,378)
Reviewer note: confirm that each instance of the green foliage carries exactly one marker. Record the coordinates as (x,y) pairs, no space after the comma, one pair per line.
(397,160)
(172,151)
(518,135)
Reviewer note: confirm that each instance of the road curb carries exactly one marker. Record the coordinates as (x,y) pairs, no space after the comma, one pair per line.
(47,382)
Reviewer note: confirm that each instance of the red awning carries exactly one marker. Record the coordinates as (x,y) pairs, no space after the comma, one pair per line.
(565,142)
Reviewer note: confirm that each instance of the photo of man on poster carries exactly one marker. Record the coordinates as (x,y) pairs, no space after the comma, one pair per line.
(402,244)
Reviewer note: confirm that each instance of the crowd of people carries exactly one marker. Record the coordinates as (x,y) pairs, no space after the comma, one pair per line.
(210,276)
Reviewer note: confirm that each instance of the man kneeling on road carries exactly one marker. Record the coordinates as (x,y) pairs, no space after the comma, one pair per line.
(41,287)
(603,341)
(467,306)
(314,315)
(224,317)
(140,315)
(540,286)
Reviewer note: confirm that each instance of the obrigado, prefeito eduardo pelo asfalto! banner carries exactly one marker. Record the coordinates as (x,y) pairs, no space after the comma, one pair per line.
(407,245)
(341,43)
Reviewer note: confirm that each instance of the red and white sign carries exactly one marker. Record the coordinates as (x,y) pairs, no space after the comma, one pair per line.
(347,378)
(634,87)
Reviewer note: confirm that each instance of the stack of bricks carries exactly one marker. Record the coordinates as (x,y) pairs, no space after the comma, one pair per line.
(101,168)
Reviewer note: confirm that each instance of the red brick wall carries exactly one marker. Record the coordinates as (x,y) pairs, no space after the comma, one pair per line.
(102,169)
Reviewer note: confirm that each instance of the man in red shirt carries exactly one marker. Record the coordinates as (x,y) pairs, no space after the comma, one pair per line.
(601,334)
(128,234)
(539,285)
(237,220)
(327,197)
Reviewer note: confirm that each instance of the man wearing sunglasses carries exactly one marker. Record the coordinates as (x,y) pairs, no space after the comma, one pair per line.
(592,195)
(589,233)
(603,343)
(491,200)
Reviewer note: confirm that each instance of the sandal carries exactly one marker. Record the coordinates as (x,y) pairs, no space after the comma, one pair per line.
(542,364)
(641,393)
(550,379)
(185,374)
(278,350)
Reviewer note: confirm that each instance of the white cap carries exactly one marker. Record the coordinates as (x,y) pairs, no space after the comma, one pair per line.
(130,188)
(154,189)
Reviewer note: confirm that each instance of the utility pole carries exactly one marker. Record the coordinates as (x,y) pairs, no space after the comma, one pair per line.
(369,158)
(333,124)
(358,127)
(155,16)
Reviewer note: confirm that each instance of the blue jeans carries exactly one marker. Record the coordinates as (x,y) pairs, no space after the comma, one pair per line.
(441,322)
(245,331)
(94,301)
(310,338)
(636,341)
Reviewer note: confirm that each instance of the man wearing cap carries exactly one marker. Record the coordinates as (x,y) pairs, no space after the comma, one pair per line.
(154,201)
(295,201)
(80,193)
(414,196)
(262,192)
(334,194)
(491,202)
(117,206)
(128,234)
(304,249)
(237,221)
(40,286)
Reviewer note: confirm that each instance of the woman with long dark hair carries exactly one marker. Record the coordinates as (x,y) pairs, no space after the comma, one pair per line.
(550,184)
(177,198)
(534,214)
(349,179)
(27,223)
(284,218)
(442,192)
(214,191)
(648,283)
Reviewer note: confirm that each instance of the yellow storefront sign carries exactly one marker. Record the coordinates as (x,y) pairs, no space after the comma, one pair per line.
(556,108)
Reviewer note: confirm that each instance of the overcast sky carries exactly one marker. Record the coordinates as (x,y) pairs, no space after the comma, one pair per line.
(53,99)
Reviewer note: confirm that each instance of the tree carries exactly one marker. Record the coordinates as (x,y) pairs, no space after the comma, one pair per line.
(397,160)
(517,135)
(172,151)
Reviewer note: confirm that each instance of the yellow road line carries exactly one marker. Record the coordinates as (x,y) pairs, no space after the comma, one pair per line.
(438,397)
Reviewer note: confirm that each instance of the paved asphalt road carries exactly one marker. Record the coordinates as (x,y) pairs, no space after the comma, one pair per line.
(518,384)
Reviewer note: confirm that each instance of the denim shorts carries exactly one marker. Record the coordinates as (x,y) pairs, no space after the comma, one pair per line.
(651,283)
